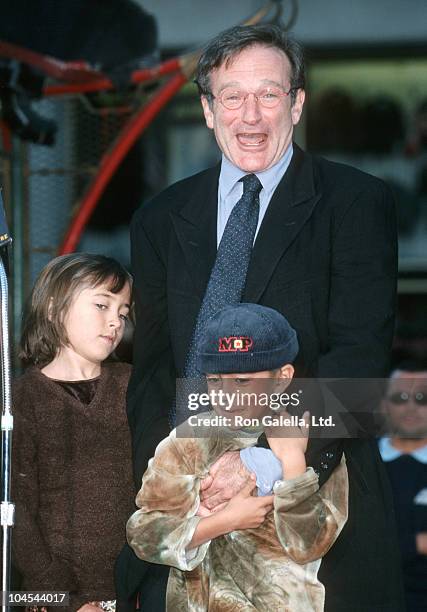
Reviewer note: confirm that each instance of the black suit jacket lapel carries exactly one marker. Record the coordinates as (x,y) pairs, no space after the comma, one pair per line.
(290,207)
(195,227)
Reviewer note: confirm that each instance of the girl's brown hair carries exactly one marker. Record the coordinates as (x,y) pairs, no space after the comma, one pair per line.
(58,283)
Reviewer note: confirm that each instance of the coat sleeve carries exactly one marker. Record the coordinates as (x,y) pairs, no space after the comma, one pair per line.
(168,500)
(362,300)
(363,285)
(308,519)
(32,556)
(152,384)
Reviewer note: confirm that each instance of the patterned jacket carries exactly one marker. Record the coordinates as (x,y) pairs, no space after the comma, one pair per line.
(273,567)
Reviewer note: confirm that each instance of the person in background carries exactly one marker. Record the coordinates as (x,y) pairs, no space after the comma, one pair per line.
(72,473)
(404,452)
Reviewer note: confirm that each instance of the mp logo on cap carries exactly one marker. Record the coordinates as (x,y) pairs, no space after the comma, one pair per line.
(234,344)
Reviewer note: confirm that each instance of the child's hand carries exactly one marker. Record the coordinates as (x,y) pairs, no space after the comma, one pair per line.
(287,441)
(289,444)
(244,511)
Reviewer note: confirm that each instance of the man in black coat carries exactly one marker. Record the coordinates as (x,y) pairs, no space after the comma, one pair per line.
(324,255)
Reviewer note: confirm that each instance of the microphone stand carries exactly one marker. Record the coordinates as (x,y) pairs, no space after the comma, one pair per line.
(7,507)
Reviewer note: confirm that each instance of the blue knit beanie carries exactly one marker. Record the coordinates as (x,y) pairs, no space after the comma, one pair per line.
(246,338)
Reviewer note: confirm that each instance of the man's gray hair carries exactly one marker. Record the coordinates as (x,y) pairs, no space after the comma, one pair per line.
(228,44)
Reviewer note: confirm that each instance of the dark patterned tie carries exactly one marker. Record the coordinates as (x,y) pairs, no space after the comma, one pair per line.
(228,276)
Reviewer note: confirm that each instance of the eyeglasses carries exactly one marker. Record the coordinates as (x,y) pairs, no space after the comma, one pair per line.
(402,397)
(269,97)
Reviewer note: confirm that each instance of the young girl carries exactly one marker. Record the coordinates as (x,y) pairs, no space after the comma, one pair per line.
(72,477)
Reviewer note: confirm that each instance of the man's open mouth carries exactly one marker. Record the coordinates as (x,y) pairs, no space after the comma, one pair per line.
(251,140)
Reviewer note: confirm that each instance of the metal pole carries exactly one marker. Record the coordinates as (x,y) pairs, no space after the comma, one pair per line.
(7,508)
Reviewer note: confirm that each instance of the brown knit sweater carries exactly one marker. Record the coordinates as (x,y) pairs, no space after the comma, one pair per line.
(72,484)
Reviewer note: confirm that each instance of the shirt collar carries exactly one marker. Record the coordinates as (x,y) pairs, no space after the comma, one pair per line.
(390,453)
(231,174)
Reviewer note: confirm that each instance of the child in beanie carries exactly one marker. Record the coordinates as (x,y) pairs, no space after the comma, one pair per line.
(254,553)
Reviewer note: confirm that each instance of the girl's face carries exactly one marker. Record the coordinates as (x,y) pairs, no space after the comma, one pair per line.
(95,322)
